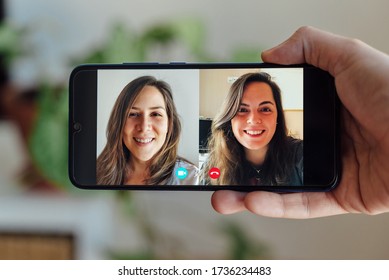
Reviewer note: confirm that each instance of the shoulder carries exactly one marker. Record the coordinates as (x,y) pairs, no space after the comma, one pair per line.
(296,146)
(295,142)
(183,163)
(189,171)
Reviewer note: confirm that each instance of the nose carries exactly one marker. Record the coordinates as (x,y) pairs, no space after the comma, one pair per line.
(254,118)
(144,123)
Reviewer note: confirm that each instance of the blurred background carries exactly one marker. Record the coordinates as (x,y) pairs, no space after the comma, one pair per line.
(43,217)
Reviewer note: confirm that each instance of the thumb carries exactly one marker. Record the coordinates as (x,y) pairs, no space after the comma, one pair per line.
(288,52)
(309,45)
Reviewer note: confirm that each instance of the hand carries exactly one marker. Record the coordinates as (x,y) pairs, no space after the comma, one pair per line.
(362,82)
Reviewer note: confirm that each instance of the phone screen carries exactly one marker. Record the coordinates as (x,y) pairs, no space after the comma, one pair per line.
(208,99)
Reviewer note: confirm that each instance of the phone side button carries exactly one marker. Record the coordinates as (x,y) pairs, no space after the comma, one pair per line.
(140,63)
(177,62)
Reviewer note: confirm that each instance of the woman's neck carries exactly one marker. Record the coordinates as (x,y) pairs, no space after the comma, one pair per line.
(256,157)
(138,172)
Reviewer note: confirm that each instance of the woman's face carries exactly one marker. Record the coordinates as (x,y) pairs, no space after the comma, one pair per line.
(146,125)
(255,122)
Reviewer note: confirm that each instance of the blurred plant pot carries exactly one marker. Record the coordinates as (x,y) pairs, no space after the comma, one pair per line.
(40,115)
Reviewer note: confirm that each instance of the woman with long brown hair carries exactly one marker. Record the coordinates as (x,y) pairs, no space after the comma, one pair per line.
(249,142)
(143,133)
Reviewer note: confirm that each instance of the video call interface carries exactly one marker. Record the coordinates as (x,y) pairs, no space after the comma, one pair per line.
(198,95)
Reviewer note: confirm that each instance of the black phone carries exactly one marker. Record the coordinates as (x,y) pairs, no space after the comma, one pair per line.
(203,126)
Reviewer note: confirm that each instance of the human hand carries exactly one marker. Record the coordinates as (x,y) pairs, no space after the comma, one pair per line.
(362,83)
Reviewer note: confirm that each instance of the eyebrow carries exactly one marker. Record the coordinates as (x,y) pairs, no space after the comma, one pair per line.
(260,104)
(151,108)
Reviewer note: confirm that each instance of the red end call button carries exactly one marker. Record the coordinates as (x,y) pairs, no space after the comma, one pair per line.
(214,172)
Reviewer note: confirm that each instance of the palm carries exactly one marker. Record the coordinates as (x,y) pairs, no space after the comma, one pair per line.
(362,188)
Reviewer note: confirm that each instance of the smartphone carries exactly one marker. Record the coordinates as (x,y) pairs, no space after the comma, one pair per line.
(203,126)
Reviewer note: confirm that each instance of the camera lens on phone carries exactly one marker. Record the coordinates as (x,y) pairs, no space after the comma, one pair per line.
(77,127)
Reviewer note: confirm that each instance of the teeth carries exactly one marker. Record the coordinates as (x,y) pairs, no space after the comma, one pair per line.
(143,140)
(254,132)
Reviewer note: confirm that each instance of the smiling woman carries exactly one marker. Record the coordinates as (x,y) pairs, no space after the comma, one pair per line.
(249,139)
(255,122)
(143,133)
(146,126)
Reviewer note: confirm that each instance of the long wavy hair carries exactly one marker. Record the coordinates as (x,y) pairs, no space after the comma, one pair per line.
(112,163)
(227,153)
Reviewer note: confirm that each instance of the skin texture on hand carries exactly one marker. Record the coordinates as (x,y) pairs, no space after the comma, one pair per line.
(362,81)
